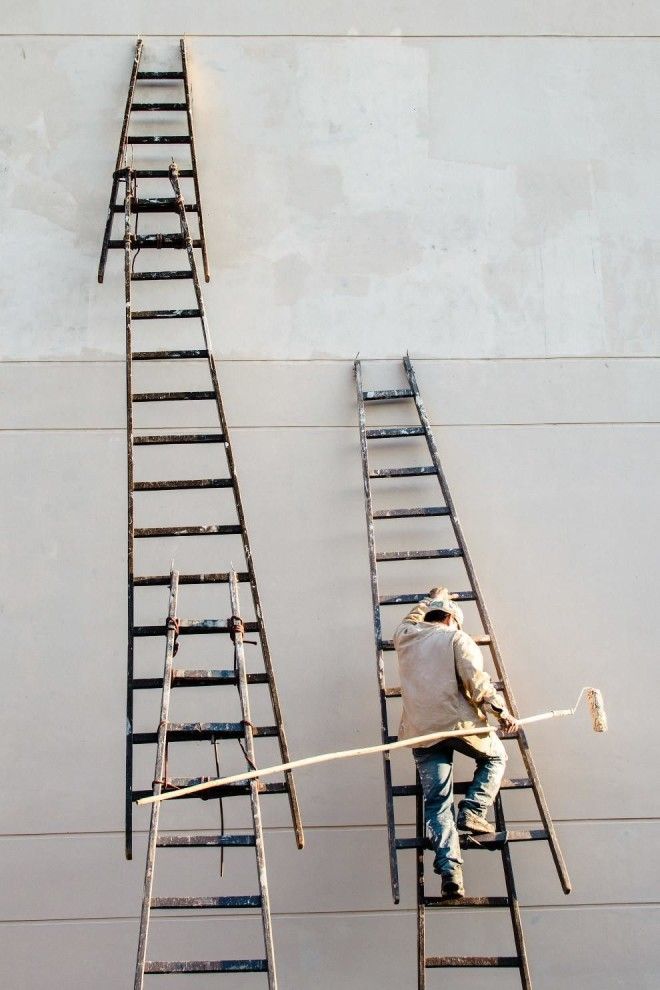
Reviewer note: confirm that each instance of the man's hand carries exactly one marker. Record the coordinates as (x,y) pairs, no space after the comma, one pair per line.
(508,723)
(437,592)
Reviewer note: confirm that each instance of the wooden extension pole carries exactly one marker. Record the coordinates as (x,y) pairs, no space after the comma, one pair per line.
(344,754)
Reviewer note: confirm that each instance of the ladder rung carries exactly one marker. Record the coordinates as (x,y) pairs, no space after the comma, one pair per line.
(159,204)
(395,431)
(177,438)
(195,731)
(210,966)
(165,314)
(162,173)
(395,691)
(388,646)
(142,107)
(404,472)
(160,75)
(460,787)
(191,627)
(474,962)
(229,790)
(168,355)
(456,596)
(485,902)
(163,276)
(158,139)
(192,839)
(204,903)
(419,554)
(173,396)
(147,241)
(166,486)
(388,393)
(197,678)
(430,510)
(163,531)
(221,577)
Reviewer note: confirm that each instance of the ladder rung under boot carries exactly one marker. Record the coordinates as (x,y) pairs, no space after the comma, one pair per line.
(167,486)
(155,204)
(163,276)
(190,627)
(220,577)
(424,510)
(419,554)
(160,75)
(169,355)
(196,731)
(210,966)
(473,962)
(156,532)
(158,139)
(197,678)
(176,438)
(480,902)
(404,472)
(145,107)
(388,393)
(165,314)
(456,596)
(395,431)
(193,840)
(173,396)
(205,903)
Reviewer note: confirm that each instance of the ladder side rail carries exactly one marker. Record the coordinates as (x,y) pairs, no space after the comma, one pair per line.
(130,591)
(241,676)
(514,906)
(539,795)
(378,632)
(275,700)
(193,158)
(121,155)
(159,775)
(419,874)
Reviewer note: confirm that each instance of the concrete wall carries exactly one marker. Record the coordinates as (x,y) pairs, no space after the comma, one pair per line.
(477,184)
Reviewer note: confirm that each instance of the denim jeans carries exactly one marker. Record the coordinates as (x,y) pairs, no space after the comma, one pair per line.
(435,765)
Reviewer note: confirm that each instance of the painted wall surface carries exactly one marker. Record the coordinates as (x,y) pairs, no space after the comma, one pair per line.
(476,184)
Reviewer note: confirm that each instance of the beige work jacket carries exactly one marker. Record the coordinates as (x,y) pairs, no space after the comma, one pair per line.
(443,682)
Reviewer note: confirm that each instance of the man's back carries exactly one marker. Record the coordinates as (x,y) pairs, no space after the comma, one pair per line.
(432,698)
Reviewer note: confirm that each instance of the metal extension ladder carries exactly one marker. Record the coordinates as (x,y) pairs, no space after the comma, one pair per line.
(503,837)
(212,476)
(177,78)
(191,840)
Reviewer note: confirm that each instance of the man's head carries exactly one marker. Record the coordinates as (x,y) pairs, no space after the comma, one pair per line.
(443,611)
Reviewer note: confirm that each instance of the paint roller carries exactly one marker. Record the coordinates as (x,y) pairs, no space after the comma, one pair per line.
(594,700)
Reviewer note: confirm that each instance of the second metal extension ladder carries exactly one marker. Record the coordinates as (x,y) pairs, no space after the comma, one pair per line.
(389,692)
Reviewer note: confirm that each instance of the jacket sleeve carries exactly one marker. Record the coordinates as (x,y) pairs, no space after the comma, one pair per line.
(415,616)
(476,682)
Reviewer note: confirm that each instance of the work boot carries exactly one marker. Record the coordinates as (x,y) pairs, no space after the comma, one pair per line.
(470,821)
(452,885)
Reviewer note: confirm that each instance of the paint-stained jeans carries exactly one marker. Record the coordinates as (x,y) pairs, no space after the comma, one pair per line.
(435,765)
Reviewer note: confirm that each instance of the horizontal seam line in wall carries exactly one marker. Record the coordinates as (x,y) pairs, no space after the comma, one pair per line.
(393,911)
(345,36)
(320,828)
(324,426)
(370,360)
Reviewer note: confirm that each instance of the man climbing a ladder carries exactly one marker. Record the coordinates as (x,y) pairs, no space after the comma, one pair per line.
(444,687)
